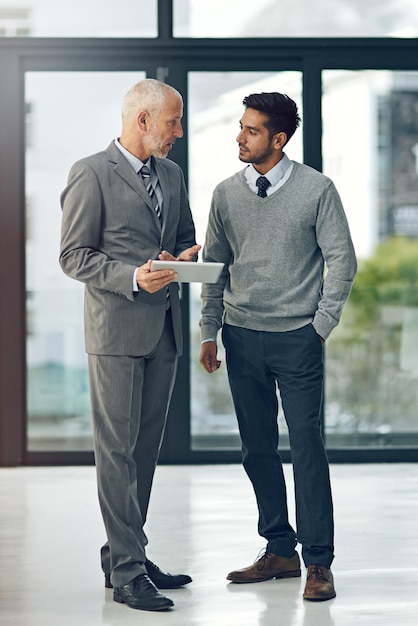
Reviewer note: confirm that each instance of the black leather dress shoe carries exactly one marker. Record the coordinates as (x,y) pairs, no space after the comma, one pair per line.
(162,580)
(140,593)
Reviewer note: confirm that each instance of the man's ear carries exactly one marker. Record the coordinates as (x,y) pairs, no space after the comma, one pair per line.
(279,140)
(143,120)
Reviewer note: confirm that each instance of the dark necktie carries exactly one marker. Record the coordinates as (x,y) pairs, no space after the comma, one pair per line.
(146,177)
(262,184)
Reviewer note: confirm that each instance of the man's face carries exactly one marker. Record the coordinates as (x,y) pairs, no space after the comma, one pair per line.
(165,128)
(255,145)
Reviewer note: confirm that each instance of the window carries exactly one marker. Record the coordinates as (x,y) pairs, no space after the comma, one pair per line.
(370,131)
(58,403)
(14,21)
(95,18)
(215,108)
(57,90)
(286,18)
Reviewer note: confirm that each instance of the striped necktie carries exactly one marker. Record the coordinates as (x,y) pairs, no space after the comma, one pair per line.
(146,177)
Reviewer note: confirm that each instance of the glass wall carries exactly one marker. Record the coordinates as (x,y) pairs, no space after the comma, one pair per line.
(215,108)
(68,115)
(286,18)
(370,150)
(369,147)
(78,18)
(210,18)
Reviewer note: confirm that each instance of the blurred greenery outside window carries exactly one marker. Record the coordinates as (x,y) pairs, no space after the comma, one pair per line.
(372,356)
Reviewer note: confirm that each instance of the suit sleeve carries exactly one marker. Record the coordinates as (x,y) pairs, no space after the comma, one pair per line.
(81,256)
(186,235)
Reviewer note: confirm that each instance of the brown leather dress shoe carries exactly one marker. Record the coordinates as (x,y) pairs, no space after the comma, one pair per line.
(268,566)
(319,584)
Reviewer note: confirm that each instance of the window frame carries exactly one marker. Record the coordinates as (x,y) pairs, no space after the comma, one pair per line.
(165,58)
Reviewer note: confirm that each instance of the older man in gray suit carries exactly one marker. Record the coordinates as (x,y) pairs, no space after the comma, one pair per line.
(122,208)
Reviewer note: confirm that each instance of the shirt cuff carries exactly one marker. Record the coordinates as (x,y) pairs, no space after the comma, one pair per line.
(135,284)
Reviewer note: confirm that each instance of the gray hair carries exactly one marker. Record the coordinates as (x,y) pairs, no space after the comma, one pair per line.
(148,95)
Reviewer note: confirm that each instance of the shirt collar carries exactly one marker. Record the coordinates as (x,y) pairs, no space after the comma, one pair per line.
(274,175)
(132,159)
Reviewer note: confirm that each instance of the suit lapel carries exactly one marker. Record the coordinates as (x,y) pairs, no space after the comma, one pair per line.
(126,171)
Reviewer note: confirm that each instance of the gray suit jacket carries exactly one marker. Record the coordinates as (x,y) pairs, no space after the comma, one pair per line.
(109,228)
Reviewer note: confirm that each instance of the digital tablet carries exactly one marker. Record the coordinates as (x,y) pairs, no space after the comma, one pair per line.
(189,272)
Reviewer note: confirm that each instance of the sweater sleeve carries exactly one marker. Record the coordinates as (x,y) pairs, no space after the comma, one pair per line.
(334,239)
(216,249)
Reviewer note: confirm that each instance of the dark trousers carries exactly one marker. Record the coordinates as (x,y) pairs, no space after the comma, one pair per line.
(130,398)
(257,362)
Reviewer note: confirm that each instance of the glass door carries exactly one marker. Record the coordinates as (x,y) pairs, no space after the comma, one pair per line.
(370,150)
(215,108)
(68,115)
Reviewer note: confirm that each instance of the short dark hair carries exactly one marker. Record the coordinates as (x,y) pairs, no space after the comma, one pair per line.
(281,110)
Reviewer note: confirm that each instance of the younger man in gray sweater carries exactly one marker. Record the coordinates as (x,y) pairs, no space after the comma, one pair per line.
(275,225)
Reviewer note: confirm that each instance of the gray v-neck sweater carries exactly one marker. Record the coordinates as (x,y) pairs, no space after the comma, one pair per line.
(275,250)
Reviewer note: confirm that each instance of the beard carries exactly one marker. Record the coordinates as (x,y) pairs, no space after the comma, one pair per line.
(257,158)
(154,146)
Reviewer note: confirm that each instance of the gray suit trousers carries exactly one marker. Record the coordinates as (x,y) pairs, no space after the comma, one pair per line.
(130,397)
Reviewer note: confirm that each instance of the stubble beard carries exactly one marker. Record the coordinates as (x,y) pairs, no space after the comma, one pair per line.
(154,147)
(255,159)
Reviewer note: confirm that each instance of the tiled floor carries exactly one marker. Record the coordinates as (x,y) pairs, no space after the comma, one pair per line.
(203,521)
